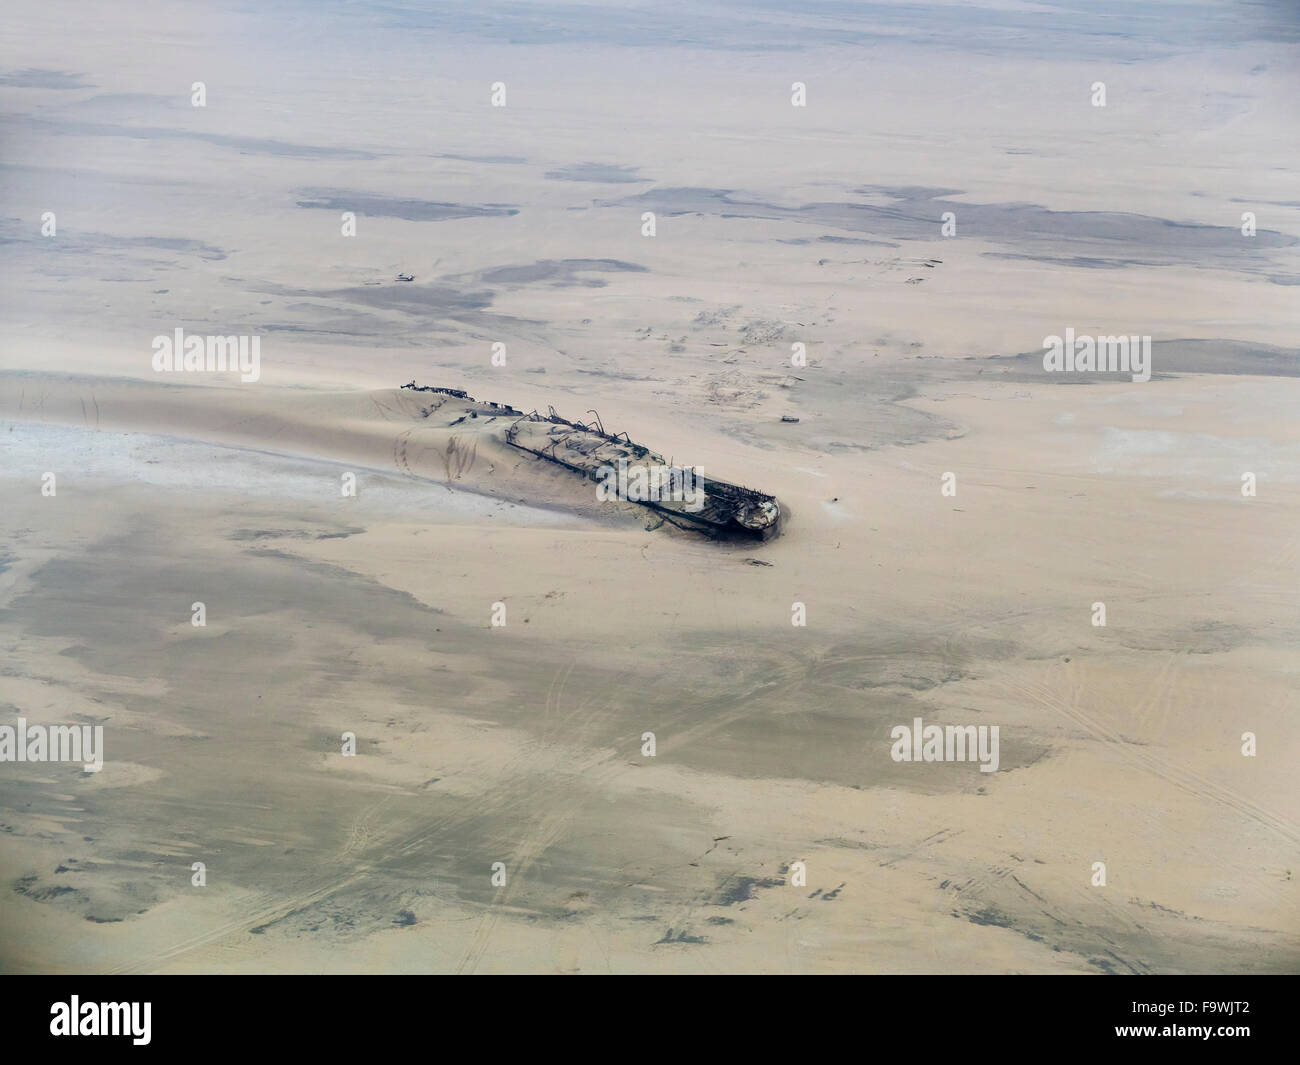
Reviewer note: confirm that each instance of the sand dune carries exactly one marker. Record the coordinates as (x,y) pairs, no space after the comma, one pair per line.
(771,829)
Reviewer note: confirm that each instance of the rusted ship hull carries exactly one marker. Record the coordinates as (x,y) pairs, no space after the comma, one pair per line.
(716,508)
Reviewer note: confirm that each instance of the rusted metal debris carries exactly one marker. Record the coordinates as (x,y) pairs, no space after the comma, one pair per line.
(719,510)
(456,393)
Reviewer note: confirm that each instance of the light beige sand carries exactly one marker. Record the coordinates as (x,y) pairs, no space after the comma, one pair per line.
(522,744)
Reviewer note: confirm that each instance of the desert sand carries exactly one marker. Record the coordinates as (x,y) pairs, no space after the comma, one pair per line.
(771,831)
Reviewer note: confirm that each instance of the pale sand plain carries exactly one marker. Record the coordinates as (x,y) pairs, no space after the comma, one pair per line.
(523,744)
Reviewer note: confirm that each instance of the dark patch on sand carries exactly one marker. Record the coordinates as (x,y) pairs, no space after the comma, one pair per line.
(734,889)
(560,273)
(490,160)
(1147,31)
(425,301)
(38,78)
(374,206)
(670,936)
(1168,357)
(1111,238)
(248,145)
(604,173)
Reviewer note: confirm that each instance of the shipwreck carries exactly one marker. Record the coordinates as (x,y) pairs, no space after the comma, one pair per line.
(717,509)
